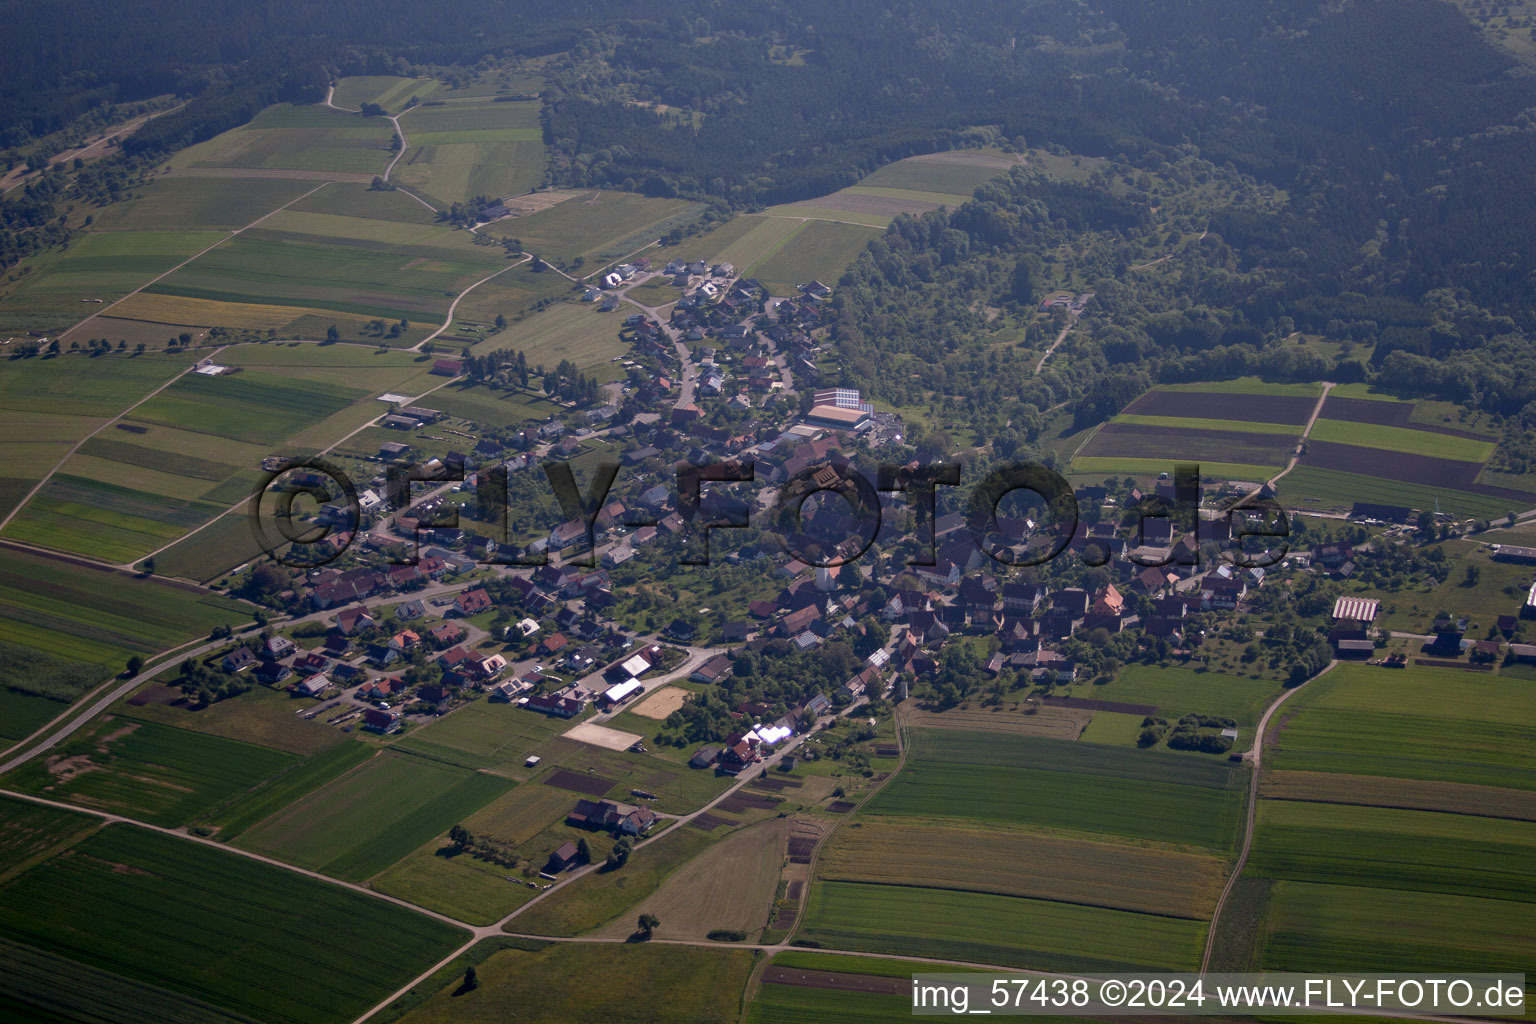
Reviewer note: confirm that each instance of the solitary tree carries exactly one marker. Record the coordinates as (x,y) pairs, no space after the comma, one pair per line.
(332,333)
(583,851)
(648,924)
(471,980)
(135,665)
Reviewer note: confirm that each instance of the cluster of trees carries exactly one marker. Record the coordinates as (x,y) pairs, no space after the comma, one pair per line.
(567,383)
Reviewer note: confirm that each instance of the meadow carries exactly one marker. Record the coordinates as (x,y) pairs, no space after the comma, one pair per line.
(513,295)
(293,137)
(391,92)
(956,173)
(729,886)
(30,833)
(1179,691)
(1099,467)
(799,1004)
(1409,794)
(1005,930)
(1389,848)
(1419,723)
(1314,927)
(455,166)
(567,330)
(603,896)
(563,983)
(298,781)
(595,225)
(1332,488)
(743,241)
(366,820)
(241,935)
(1007,862)
(39,986)
(480,735)
(820,250)
(1088,788)
(22,714)
(1197,423)
(65,284)
(1401,439)
(389,281)
(83,613)
(177,202)
(455,884)
(155,773)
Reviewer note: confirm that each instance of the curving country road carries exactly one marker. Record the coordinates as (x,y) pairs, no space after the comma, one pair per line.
(1256,759)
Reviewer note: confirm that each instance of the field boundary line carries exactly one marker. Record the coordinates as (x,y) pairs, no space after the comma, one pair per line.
(1257,759)
(448,318)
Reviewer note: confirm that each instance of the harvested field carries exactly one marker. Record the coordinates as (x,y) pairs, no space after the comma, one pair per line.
(841,806)
(1405,794)
(835,981)
(709,822)
(738,802)
(1062,723)
(662,703)
(1124,440)
(1387,414)
(1090,704)
(794,891)
(978,859)
(1289,409)
(602,736)
(888,751)
(591,785)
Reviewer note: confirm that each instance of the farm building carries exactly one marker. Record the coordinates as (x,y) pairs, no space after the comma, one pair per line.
(616,695)
(564,856)
(1355,609)
(448,367)
(1515,553)
(625,819)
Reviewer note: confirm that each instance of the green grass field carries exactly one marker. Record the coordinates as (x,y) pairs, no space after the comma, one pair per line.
(30,833)
(298,781)
(366,820)
(154,773)
(391,92)
(1178,691)
(1072,788)
(452,167)
(64,284)
(299,138)
(458,885)
(1197,423)
(375,280)
(1418,723)
(996,929)
(1313,927)
(483,735)
(241,935)
(640,984)
(1100,466)
(819,250)
(87,614)
(1389,848)
(22,714)
(182,203)
(1402,439)
(1331,488)
(602,896)
(987,858)
(1247,386)
(567,330)
(956,173)
(596,225)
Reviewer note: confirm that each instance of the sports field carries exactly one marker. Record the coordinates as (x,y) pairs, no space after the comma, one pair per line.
(366,820)
(252,939)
